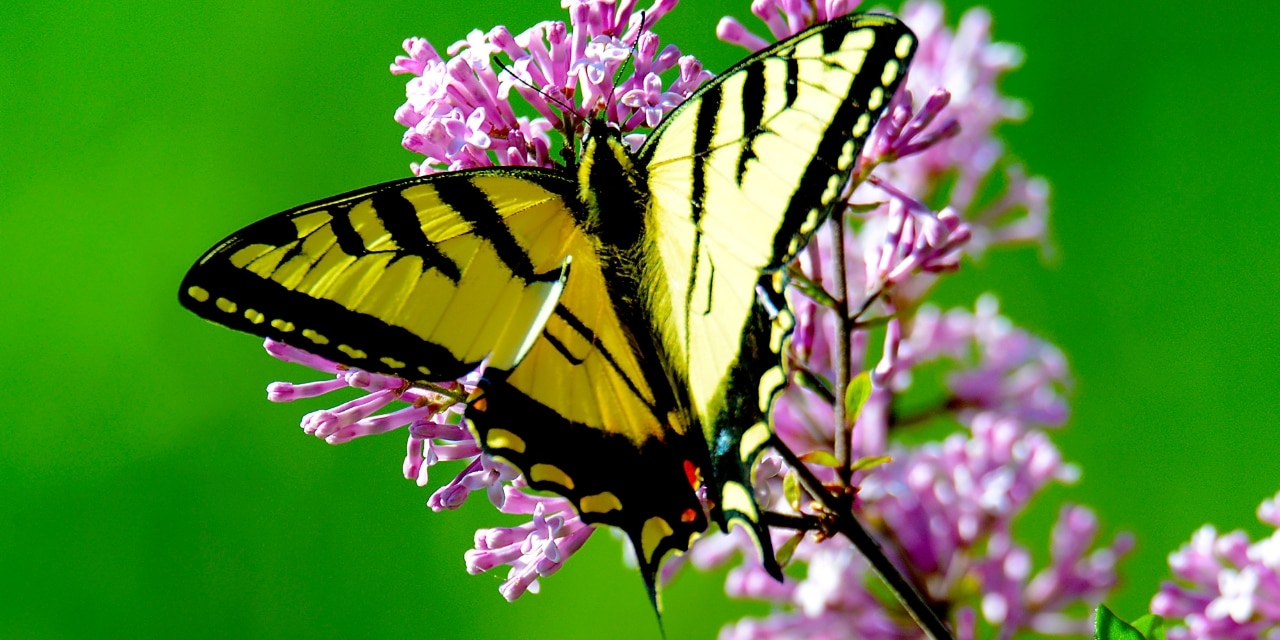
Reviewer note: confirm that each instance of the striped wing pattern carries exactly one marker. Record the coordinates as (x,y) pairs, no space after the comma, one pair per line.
(741,175)
(379,278)
(621,402)
(424,278)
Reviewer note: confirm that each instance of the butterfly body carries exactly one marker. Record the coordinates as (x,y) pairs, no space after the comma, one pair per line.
(630,360)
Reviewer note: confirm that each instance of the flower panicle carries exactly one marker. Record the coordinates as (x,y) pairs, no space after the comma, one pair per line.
(1225,586)
(605,62)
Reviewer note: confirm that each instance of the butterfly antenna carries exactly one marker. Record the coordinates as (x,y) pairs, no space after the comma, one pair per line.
(634,45)
(568,115)
(629,63)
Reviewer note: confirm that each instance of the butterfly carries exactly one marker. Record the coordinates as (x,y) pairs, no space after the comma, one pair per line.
(624,306)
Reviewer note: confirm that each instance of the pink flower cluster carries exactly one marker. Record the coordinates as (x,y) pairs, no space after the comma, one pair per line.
(459,111)
(1227,587)
(943,511)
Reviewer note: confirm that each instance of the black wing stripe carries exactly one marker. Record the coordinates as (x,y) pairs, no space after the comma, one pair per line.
(326,318)
(754,92)
(704,132)
(832,39)
(590,336)
(793,80)
(400,219)
(349,239)
(472,204)
(561,348)
(813,183)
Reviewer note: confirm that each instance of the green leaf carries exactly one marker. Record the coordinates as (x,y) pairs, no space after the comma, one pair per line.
(1107,626)
(864,208)
(1150,626)
(815,383)
(856,395)
(788,548)
(870,462)
(822,459)
(791,490)
(814,291)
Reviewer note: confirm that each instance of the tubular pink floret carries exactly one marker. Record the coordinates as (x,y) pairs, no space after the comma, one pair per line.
(288,392)
(324,423)
(731,31)
(379,424)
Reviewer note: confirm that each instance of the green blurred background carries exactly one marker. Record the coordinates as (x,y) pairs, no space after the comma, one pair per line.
(149,489)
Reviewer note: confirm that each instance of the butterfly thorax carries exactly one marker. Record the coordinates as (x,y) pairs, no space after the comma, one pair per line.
(609,186)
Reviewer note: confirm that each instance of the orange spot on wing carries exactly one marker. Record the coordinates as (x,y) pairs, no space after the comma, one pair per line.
(694,474)
(689,515)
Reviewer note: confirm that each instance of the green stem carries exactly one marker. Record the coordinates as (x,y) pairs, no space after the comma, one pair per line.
(847,524)
(844,430)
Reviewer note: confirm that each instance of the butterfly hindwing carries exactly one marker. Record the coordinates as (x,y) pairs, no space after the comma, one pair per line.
(589,414)
(644,489)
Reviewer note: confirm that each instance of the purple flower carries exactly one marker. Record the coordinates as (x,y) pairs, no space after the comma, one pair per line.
(943,511)
(999,366)
(958,72)
(459,111)
(1226,587)
(784,18)
(651,100)
(535,549)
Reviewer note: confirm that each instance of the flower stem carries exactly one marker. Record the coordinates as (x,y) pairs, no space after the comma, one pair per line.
(847,524)
(843,430)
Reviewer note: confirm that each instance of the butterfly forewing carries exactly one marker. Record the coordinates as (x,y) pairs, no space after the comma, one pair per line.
(380,278)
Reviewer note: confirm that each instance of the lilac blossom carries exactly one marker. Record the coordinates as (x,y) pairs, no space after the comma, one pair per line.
(1226,586)
(535,549)
(942,510)
(459,111)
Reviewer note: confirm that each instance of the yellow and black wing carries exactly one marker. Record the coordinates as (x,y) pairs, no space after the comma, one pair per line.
(740,176)
(424,278)
(381,278)
(630,354)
